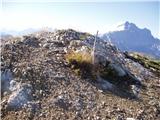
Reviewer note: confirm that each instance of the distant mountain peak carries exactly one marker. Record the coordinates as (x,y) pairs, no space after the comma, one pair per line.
(126,26)
(129,37)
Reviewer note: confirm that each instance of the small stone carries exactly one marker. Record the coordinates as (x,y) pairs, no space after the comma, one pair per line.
(101,91)
(40,91)
(59,77)
(5,93)
(130,119)
(97,118)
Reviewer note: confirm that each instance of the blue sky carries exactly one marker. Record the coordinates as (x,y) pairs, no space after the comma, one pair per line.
(83,16)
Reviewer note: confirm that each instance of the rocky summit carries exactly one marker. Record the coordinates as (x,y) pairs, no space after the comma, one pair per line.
(74,75)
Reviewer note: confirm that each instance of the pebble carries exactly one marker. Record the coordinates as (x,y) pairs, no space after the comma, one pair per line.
(130,119)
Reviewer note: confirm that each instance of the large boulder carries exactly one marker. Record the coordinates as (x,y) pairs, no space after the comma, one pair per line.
(109,61)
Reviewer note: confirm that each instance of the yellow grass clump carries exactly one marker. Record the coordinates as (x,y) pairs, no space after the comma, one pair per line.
(81,62)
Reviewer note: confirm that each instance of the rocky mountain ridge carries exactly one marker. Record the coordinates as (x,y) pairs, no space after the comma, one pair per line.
(39,80)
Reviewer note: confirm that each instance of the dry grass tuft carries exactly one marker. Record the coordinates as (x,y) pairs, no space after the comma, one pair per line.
(79,57)
(81,62)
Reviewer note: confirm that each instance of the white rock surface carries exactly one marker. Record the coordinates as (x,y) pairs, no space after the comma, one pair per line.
(19,97)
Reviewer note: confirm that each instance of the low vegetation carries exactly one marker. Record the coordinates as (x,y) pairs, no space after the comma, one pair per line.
(81,62)
(83,36)
(147,62)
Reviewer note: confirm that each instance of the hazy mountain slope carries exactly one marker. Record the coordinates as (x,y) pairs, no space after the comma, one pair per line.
(128,37)
(24,32)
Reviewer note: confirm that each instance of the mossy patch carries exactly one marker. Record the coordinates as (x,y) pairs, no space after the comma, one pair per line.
(147,62)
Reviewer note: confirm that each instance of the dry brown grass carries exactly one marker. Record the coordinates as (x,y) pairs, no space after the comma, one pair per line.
(81,62)
(79,57)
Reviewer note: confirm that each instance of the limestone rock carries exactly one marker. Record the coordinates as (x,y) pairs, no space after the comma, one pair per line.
(19,97)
